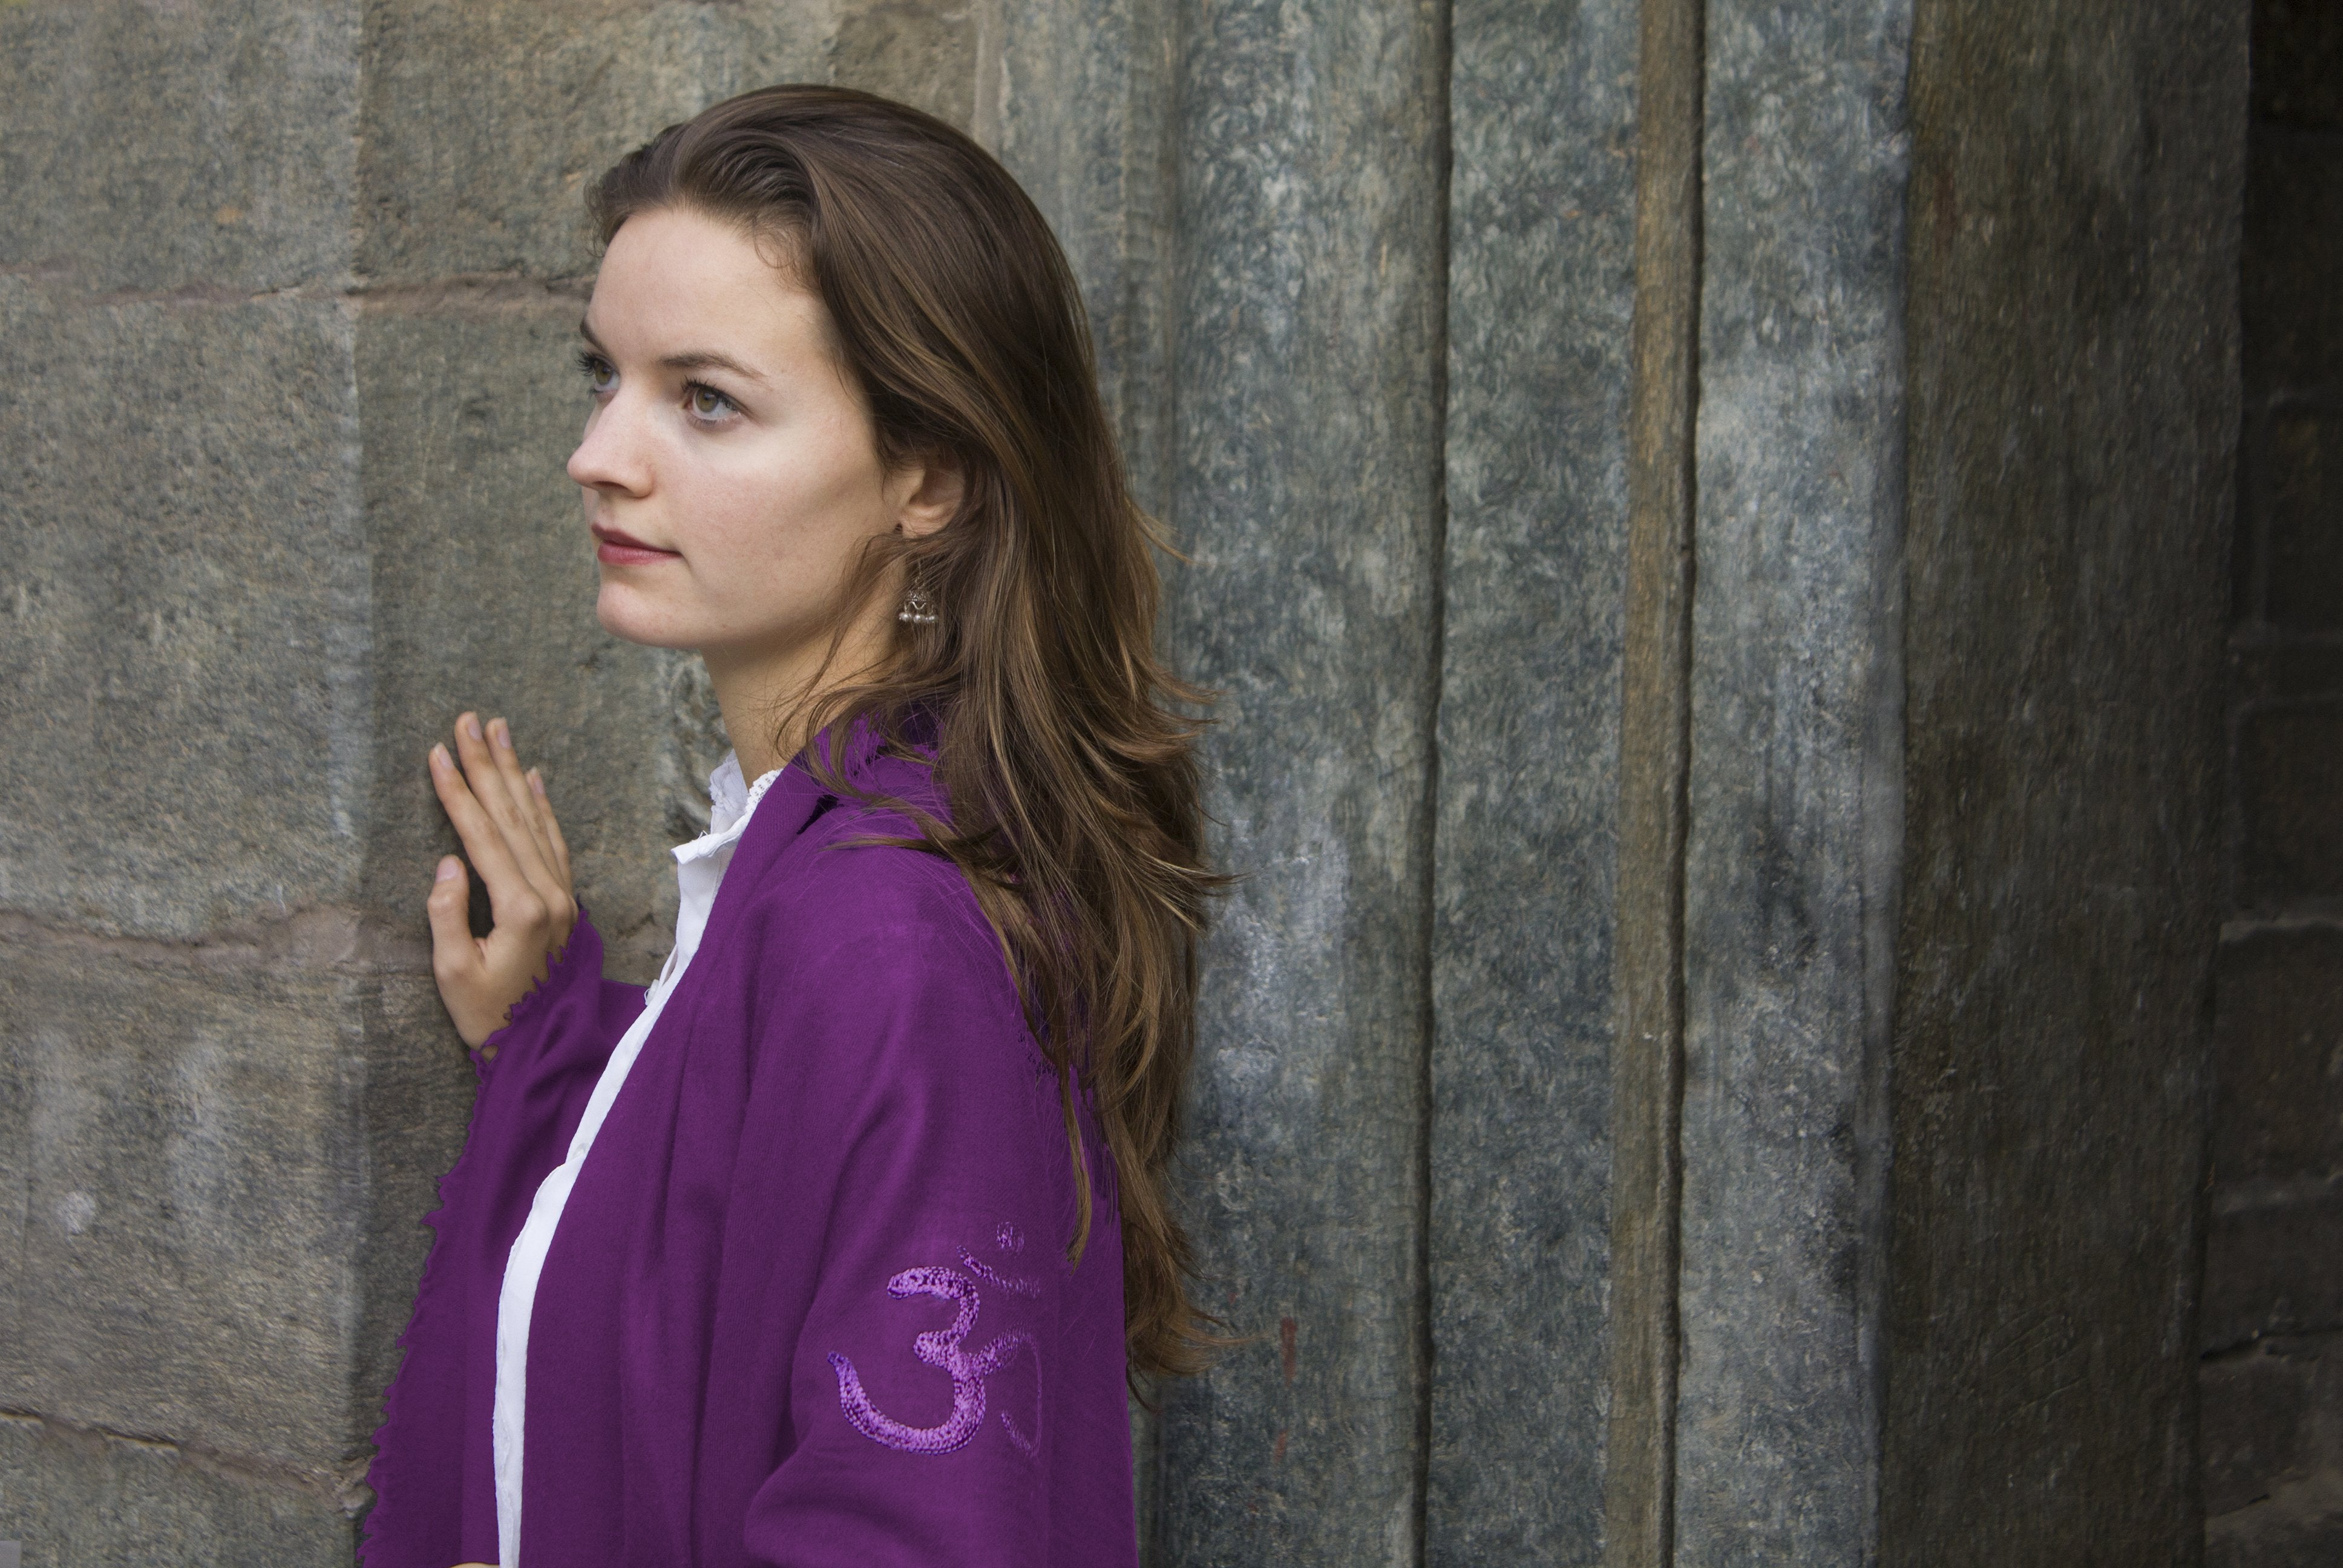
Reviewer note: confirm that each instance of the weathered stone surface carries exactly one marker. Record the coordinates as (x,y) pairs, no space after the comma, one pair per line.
(1100,174)
(2289,776)
(176,1142)
(2263,1420)
(1540,290)
(2298,72)
(1797,782)
(484,583)
(483,120)
(200,146)
(2274,1265)
(2300,1525)
(941,55)
(1307,485)
(183,679)
(1646,1111)
(2273,1408)
(2278,1056)
(409,1123)
(2294,231)
(84,1500)
(2073,375)
(2300,487)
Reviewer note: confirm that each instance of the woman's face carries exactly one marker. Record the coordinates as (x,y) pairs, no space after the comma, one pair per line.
(730,473)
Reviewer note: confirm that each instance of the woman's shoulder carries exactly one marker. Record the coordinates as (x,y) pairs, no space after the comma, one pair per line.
(860,875)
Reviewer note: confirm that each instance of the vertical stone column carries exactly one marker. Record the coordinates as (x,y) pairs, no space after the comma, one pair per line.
(1305,481)
(186,687)
(1796,781)
(1541,285)
(1961,413)
(2272,1327)
(2073,328)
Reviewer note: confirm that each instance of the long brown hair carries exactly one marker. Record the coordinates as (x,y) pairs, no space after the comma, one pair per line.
(1069,774)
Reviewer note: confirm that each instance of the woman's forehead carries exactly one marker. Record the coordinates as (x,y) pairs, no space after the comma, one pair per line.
(676,284)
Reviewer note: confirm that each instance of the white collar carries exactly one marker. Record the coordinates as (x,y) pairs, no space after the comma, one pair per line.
(730,803)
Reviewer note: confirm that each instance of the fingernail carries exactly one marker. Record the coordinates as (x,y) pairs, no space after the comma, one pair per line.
(472,725)
(450,868)
(537,780)
(439,757)
(502,732)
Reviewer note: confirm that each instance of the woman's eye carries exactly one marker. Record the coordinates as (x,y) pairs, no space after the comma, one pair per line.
(600,375)
(706,402)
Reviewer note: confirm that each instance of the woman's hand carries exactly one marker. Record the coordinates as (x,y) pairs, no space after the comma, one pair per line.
(507,825)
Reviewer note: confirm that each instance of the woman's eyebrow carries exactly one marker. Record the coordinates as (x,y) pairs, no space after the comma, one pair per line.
(690,359)
(709,359)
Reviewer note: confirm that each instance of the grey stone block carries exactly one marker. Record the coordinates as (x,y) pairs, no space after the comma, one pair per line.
(197,148)
(1306,485)
(483,591)
(1540,293)
(1796,793)
(2298,62)
(933,55)
(483,120)
(176,1144)
(2294,243)
(2289,775)
(2279,1057)
(2273,1266)
(85,1500)
(2300,1525)
(2300,485)
(184,680)
(2071,317)
(409,1123)
(2262,1423)
(1099,173)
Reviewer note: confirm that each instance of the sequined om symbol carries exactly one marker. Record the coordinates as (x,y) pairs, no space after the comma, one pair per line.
(944,1348)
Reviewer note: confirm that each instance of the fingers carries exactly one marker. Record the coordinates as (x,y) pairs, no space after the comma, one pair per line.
(516,791)
(454,953)
(484,840)
(493,787)
(552,828)
(456,964)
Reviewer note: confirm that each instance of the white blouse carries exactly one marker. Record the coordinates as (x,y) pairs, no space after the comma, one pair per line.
(698,871)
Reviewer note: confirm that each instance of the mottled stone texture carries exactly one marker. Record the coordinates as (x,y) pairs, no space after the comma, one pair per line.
(78,1499)
(2072,341)
(286,299)
(1797,782)
(2272,1323)
(1084,100)
(1541,279)
(1306,483)
(184,682)
(187,695)
(1592,658)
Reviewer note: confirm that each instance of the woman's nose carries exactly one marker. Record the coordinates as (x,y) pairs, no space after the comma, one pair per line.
(613,454)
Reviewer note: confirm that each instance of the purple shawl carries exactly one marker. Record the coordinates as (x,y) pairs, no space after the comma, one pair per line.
(809,1303)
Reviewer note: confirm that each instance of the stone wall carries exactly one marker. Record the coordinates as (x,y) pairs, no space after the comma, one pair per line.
(1703,1061)
(2273,1325)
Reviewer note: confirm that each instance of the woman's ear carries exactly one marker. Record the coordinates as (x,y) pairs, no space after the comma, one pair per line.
(928,494)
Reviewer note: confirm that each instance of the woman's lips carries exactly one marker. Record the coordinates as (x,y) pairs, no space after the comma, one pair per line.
(613,548)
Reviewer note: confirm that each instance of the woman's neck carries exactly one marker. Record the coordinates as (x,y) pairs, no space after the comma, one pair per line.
(767,698)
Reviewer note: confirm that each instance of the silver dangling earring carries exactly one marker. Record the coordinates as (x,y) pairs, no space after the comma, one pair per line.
(917,609)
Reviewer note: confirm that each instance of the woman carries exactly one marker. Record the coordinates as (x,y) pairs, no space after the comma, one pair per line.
(837,1245)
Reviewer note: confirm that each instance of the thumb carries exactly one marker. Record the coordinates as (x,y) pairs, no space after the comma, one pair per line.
(453,951)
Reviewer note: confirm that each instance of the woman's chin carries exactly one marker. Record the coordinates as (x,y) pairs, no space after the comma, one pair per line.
(625,617)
